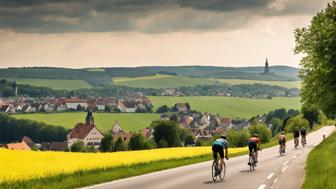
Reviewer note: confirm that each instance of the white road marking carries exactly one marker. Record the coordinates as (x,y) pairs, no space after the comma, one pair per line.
(275,180)
(270,176)
(262,186)
(284,168)
(286,162)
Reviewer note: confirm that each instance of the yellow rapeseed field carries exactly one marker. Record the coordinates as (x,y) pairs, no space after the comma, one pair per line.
(22,165)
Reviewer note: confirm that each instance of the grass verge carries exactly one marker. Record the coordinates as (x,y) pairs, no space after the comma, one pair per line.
(321,167)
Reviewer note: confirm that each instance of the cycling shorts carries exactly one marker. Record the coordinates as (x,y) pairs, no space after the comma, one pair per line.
(252,145)
(217,149)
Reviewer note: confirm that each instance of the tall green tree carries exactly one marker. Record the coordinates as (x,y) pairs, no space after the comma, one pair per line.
(106,144)
(166,133)
(137,142)
(120,145)
(317,42)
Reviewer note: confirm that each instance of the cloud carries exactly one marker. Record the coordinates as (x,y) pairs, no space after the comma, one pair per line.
(153,16)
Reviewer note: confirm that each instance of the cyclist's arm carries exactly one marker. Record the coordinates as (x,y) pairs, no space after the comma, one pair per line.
(226,153)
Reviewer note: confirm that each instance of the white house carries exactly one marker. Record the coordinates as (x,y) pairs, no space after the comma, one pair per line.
(116,127)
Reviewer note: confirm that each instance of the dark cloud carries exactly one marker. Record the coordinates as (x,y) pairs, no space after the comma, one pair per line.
(52,16)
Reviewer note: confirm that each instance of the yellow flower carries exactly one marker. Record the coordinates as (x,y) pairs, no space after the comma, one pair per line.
(22,165)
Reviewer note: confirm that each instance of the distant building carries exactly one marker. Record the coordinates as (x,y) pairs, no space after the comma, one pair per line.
(87,133)
(18,146)
(266,69)
(116,127)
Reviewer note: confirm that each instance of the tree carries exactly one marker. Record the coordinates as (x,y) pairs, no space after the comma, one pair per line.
(137,142)
(189,140)
(77,147)
(163,109)
(237,138)
(106,144)
(317,43)
(311,114)
(297,121)
(264,133)
(276,126)
(173,117)
(188,106)
(120,145)
(166,132)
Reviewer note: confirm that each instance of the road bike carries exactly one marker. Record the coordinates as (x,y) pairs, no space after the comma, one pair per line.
(252,160)
(282,149)
(303,141)
(296,142)
(216,171)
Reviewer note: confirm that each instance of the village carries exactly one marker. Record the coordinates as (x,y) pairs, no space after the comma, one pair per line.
(202,126)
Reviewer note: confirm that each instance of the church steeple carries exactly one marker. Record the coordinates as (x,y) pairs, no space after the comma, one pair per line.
(266,69)
(89,118)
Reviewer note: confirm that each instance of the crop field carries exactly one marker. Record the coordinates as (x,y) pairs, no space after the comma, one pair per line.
(169,81)
(286,84)
(57,84)
(230,106)
(37,164)
(104,121)
(161,81)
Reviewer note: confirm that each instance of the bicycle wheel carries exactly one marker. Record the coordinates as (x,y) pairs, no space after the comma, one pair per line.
(222,174)
(214,170)
(251,162)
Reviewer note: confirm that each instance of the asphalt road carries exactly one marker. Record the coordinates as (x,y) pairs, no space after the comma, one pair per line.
(272,171)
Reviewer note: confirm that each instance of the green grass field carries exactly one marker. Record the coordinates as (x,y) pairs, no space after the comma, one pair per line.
(320,168)
(104,121)
(230,106)
(161,81)
(286,84)
(169,81)
(57,84)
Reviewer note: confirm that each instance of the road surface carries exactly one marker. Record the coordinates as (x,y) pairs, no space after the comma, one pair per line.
(272,171)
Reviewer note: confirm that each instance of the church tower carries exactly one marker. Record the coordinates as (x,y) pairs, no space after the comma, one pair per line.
(89,118)
(266,69)
(15,89)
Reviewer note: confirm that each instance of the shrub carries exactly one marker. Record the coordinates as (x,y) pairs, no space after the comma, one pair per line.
(264,133)
(297,121)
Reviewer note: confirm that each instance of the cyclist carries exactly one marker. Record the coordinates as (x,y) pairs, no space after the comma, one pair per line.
(218,147)
(282,139)
(303,135)
(254,143)
(296,135)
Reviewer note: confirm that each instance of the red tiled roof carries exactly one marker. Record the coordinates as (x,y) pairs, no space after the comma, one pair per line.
(18,146)
(81,130)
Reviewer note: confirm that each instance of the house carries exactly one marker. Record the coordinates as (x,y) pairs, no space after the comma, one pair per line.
(225,123)
(123,135)
(18,146)
(116,127)
(7,109)
(58,146)
(28,141)
(181,107)
(203,136)
(130,106)
(121,105)
(186,121)
(147,132)
(74,103)
(86,132)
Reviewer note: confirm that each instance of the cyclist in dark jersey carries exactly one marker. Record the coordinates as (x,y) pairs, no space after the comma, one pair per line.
(303,134)
(218,147)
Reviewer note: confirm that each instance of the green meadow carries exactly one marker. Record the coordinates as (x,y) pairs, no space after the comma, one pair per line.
(57,84)
(169,81)
(104,121)
(230,106)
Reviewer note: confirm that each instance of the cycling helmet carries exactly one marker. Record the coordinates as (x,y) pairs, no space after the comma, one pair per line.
(223,137)
(255,135)
(283,132)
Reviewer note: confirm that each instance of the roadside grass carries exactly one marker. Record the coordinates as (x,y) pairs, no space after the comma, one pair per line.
(104,121)
(321,166)
(57,84)
(234,107)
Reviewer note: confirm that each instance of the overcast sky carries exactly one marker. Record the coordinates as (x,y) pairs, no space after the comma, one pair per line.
(110,33)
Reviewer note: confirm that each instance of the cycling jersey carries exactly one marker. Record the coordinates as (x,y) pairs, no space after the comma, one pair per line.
(254,140)
(282,139)
(296,133)
(221,142)
(303,132)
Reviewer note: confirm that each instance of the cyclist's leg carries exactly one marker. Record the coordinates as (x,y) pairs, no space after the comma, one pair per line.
(221,155)
(256,152)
